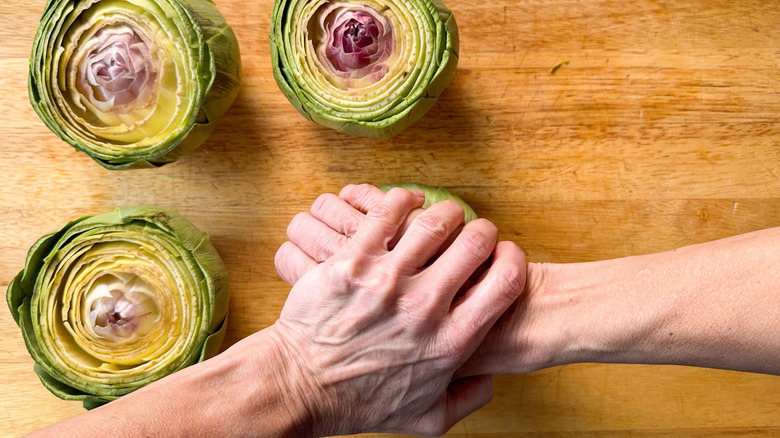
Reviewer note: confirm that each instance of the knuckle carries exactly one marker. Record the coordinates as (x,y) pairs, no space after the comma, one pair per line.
(380,211)
(434,226)
(510,281)
(449,204)
(510,271)
(489,228)
(286,263)
(361,188)
(331,245)
(295,225)
(359,194)
(347,188)
(379,283)
(343,274)
(417,307)
(346,191)
(453,350)
(281,256)
(400,193)
(477,243)
(396,191)
(321,206)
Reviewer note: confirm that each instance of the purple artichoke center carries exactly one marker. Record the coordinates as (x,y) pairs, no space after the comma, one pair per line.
(355,42)
(358,36)
(118,69)
(118,314)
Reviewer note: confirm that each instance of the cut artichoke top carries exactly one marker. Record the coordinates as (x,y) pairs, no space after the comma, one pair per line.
(113,302)
(364,67)
(133,83)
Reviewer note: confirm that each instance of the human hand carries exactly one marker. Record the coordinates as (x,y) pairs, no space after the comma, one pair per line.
(520,340)
(376,331)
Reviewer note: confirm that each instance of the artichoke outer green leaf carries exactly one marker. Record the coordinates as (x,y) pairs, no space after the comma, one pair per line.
(198,53)
(434,195)
(122,240)
(408,91)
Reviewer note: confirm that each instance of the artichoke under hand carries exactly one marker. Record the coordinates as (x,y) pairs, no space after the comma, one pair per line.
(113,302)
(365,67)
(434,195)
(133,83)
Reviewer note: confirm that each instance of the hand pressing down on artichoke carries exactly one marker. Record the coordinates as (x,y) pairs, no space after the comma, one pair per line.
(133,83)
(364,67)
(113,302)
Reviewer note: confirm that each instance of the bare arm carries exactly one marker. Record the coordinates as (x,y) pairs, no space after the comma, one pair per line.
(714,305)
(249,390)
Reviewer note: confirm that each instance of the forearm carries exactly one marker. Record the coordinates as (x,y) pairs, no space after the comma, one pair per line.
(240,393)
(714,305)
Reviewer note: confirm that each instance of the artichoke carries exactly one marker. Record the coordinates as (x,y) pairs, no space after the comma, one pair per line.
(113,302)
(434,195)
(365,67)
(133,83)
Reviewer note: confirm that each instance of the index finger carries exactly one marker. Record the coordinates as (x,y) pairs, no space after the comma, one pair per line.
(475,312)
(470,249)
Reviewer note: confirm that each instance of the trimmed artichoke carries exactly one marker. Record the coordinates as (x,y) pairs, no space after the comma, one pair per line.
(365,67)
(133,83)
(434,195)
(113,302)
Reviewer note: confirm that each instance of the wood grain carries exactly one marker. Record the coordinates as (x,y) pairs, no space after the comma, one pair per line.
(662,130)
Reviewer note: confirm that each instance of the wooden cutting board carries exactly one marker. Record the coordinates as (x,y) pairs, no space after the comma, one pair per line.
(660,131)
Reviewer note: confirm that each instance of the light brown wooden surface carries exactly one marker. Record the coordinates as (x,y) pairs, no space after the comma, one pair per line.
(661,131)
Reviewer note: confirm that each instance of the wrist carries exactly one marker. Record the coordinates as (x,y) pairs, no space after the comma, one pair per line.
(555,332)
(284,397)
(617,311)
(579,312)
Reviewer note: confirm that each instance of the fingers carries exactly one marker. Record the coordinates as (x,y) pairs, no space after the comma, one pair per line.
(383,220)
(315,238)
(427,234)
(291,262)
(337,214)
(475,312)
(464,256)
